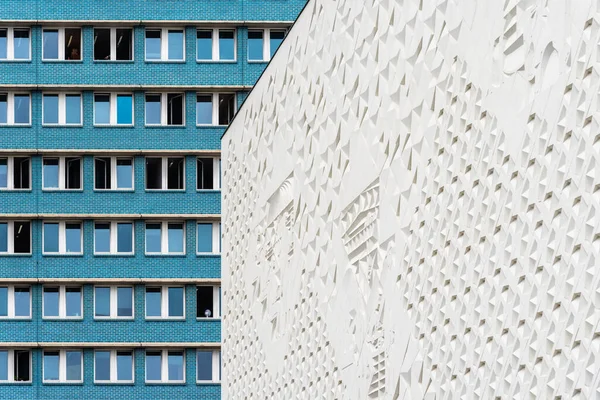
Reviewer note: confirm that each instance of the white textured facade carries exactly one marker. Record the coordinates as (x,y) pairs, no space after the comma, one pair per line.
(411,205)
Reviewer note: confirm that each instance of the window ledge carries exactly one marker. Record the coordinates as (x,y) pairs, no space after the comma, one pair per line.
(77,319)
(157,319)
(114,61)
(63,61)
(114,255)
(101,383)
(164,61)
(258,61)
(15,126)
(217,319)
(28,61)
(208,190)
(124,126)
(207,383)
(216,61)
(165,383)
(62,125)
(165,126)
(114,190)
(208,255)
(62,254)
(63,190)
(179,255)
(15,254)
(109,319)
(15,190)
(62,383)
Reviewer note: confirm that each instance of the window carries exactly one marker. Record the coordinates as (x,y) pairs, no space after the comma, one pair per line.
(15,44)
(63,366)
(113,238)
(112,302)
(165,173)
(208,173)
(113,109)
(165,45)
(208,366)
(15,302)
(15,173)
(166,366)
(165,302)
(208,302)
(263,43)
(165,238)
(15,237)
(62,238)
(15,365)
(61,44)
(113,366)
(113,173)
(215,45)
(62,173)
(63,302)
(15,109)
(215,109)
(61,109)
(166,109)
(208,238)
(113,44)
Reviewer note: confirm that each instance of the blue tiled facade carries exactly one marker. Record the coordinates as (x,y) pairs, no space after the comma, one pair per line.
(88,205)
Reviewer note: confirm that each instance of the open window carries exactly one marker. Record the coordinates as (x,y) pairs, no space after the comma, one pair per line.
(165,173)
(208,302)
(113,173)
(113,44)
(205,176)
(61,173)
(14,173)
(226,108)
(15,365)
(15,237)
(167,109)
(59,44)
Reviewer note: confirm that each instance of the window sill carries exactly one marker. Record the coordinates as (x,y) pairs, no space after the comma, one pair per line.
(62,126)
(158,319)
(78,383)
(109,319)
(209,319)
(258,61)
(76,319)
(178,383)
(63,61)
(208,190)
(208,254)
(27,383)
(15,126)
(208,383)
(114,61)
(62,254)
(101,383)
(114,255)
(126,126)
(15,190)
(179,255)
(164,61)
(15,254)
(114,190)
(63,190)
(16,61)
(216,61)
(164,126)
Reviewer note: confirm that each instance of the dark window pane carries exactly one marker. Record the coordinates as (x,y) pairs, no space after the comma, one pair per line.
(3,237)
(73,44)
(3,303)
(21,172)
(124,238)
(204,171)
(204,302)
(175,174)
(22,237)
(175,109)
(124,48)
(73,170)
(153,173)
(21,368)
(101,44)
(226,108)
(102,173)
(204,238)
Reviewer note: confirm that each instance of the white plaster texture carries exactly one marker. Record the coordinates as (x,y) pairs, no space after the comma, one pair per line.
(410,203)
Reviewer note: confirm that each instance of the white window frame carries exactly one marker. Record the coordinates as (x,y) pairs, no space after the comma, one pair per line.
(215,238)
(114,236)
(10,176)
(164,174)
(164,237)
(61,44)
(216,303)
(164,44)
(215,107)
(62,237)
(113,302)
(10,229)
(62,174)
(11,302)
(10,43)
(113,44)
(113,366)
(10,109)
(62,108)
(216,176)
(216,45)
(62,366)
(11,363)
(164,303)
(164,109)
(113,174)
(216,357)
(112,106)
(62,302)
(164,368)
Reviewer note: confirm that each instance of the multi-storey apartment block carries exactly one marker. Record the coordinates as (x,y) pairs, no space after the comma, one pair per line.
(111,114)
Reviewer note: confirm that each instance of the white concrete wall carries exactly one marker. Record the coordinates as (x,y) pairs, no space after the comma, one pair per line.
(411,197)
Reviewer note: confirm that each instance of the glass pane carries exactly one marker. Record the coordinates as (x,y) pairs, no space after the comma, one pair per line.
(124,174)
(102,238)
(73,169)
(50,44)
(21,108)
(175,173)
(204,236)
(204,365)
(124,366)
(51,366)
(101,44)
(51,238)
(153,173)
(3,44)
(3,108)
(124,44)
(102,301)
(226,108)
(102,109)
(21,173)
(153,302)
(175,361)
(102,366)
(72,44)
(22,302)
(3,173)
(226,45)
(73,365)
(255,45)
(152,45)
(175,233)
(50,302)
(204,110)
(276,39)
(153,238)
(153,109)
(153,364)
(124,238)
(73,238)
(21,44)
(124,302)
(3,302)
(73,109)
(175,106)
(50,106)
(3,237)
(204,45)
(73,300)
(124,109)
(102,175)
(3,365)
(175,302)
(175,45)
